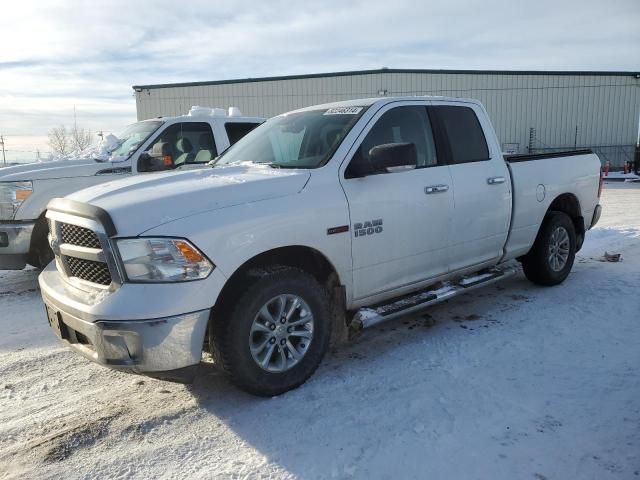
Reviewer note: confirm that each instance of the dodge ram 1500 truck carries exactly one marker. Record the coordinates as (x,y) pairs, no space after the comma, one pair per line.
(320,222)
(151,145)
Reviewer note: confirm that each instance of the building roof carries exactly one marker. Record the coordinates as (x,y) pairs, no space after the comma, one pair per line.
(389,70)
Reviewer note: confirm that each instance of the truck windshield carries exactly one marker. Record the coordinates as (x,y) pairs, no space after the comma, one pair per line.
(132,136)
(295,140)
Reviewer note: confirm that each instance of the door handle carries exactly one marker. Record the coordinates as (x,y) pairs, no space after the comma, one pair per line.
(495,180)
(436,189)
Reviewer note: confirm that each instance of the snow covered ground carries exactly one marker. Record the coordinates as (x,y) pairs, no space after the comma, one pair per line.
(513,381)
(621,176)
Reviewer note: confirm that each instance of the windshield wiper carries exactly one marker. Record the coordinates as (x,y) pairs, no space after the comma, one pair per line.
(215,161)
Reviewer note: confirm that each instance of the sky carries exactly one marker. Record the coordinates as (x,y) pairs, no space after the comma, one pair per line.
(55,55)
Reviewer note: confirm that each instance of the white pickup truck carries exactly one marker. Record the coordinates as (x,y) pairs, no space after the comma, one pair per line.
(319,222)
(151,145)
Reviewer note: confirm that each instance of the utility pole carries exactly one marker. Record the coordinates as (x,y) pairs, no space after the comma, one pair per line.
(638,139)
(636,160)
(4,158)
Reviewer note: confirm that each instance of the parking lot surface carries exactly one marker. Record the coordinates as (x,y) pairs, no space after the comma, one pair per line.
(511,381)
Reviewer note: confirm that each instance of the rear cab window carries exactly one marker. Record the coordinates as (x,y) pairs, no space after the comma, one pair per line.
(237,130)
(459,129)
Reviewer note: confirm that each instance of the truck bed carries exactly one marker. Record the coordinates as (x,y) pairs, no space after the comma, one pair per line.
(537,180)
(526,157)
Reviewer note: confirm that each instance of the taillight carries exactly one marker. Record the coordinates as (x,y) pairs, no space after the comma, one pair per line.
(600,183)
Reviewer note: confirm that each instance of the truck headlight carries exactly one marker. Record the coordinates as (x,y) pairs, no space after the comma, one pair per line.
(155,260)
(12,194)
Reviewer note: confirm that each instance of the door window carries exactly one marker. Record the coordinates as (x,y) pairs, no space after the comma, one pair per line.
(180,144)
(466,139)
(408,124)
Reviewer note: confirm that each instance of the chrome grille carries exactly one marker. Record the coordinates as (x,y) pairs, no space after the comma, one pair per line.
(75,235)
(95,272)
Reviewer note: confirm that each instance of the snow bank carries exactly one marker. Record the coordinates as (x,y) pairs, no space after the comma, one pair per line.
(101,152)
(621,176)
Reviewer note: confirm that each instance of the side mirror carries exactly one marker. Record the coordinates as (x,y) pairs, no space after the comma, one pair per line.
(144,162)
(156,160)
(391,155)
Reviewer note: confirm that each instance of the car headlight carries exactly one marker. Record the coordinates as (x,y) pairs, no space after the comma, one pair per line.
(162,260)
(12,194)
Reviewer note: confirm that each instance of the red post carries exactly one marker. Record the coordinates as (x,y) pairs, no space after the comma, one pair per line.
(626,168)
(606,168)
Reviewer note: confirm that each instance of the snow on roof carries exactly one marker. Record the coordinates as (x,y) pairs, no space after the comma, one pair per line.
(198,111)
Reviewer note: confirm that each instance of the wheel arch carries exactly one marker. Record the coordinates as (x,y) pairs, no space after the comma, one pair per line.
(39,234)
(569,204)
(299,256)
(303,257)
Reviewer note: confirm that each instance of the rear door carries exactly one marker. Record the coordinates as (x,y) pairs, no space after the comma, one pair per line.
(399,219)
(481,186)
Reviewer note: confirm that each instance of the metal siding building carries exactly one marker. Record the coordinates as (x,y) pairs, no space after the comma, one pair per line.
(531,111)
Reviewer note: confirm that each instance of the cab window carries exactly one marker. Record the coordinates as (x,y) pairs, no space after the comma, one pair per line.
(180,144)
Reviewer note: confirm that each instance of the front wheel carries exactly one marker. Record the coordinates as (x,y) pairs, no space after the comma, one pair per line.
(552,255)
(276,334)
(40,254)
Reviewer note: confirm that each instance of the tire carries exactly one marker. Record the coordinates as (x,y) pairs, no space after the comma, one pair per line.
(40,253)
(544,264)
(278,289)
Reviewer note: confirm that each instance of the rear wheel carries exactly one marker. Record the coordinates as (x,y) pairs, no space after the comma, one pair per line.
(552,255)
(277,332)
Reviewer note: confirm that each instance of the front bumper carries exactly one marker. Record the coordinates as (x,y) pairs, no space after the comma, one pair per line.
(15,241)
(167,347)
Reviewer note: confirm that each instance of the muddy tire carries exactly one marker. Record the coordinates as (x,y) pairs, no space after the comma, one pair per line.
(553,253)
(276,332)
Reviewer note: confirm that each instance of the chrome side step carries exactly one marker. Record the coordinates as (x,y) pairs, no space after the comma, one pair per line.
(368,317)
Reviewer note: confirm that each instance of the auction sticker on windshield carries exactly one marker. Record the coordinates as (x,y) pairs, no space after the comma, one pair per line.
(343,111)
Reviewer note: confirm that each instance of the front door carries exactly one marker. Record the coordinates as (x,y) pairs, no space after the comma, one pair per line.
(400,218)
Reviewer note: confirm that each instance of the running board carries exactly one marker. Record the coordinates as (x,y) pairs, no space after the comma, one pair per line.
(368,317)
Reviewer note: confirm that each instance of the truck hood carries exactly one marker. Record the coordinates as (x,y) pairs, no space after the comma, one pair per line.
(141,202)
(50,170)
